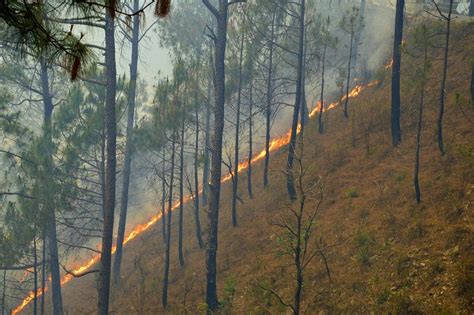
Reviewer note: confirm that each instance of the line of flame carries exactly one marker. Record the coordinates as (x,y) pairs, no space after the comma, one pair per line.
(275,144)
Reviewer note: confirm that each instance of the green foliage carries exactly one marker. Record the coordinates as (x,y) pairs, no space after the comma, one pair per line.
(228,297)
(352,193)
(364,243)
(383,296)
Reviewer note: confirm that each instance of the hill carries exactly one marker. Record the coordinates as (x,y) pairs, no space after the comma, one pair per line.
(385,253)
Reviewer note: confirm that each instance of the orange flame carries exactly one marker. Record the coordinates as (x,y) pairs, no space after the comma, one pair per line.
(275,144)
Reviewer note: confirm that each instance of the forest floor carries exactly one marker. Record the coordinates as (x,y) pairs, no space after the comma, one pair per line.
(385,252)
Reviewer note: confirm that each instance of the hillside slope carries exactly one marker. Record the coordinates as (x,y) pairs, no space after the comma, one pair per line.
(385,252)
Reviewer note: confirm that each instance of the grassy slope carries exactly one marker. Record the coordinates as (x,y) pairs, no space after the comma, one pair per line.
(389,254)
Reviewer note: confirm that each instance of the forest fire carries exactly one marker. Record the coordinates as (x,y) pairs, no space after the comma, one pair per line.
(139,229)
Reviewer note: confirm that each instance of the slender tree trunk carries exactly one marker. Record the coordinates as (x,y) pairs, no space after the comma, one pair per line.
(471,8)
(249,159)
(323,72)
(298,263)
(216,162)
(110,172)
(128,143)
(443,80)
(181,185)
(164,297)
(348,82)
(268,109)
(417,154)
(163,196)
(396,64)
(4,290)
(358,35)
(35,275)
(207,143)
(43,273)
(197,219)
(304,106)
(235,181)
(48,197)
(294,126)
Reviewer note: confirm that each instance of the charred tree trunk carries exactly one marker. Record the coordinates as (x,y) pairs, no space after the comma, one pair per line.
(396,64)
(110,173)
(164,297)
(294,126)
(128,143)
(48,197)
(249,158)
(197,219)
(443,80)
(220,14)
(268,109)
(235,181)
(349,68)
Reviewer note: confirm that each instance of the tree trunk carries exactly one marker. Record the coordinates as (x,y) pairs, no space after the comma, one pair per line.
(396,64)
(197,219)
(348,82)
(323,72)
(249,159)
(110,172)
(35,274)
(4,290)
(164,297)
(181,185)
(43,273)
(268,110)
(443,80)
(235,181)
(207,143)
(294,126)
(358,35)
(128,143)
(163,196)
(48,197)
(216,163)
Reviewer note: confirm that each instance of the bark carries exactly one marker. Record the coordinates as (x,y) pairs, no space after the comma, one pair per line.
(235,178)
(216,161)
(471,8)
(4,290)
(128,143)
(164,297)
(35,275)
(292,145)
(181,187)
(396,64)
(443,80)
(48,198)
(43,273)
(349,68)
(110,172)
(323,72)
(163,196)
(249,159)
(268,110)
(197,219)
(207,142)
